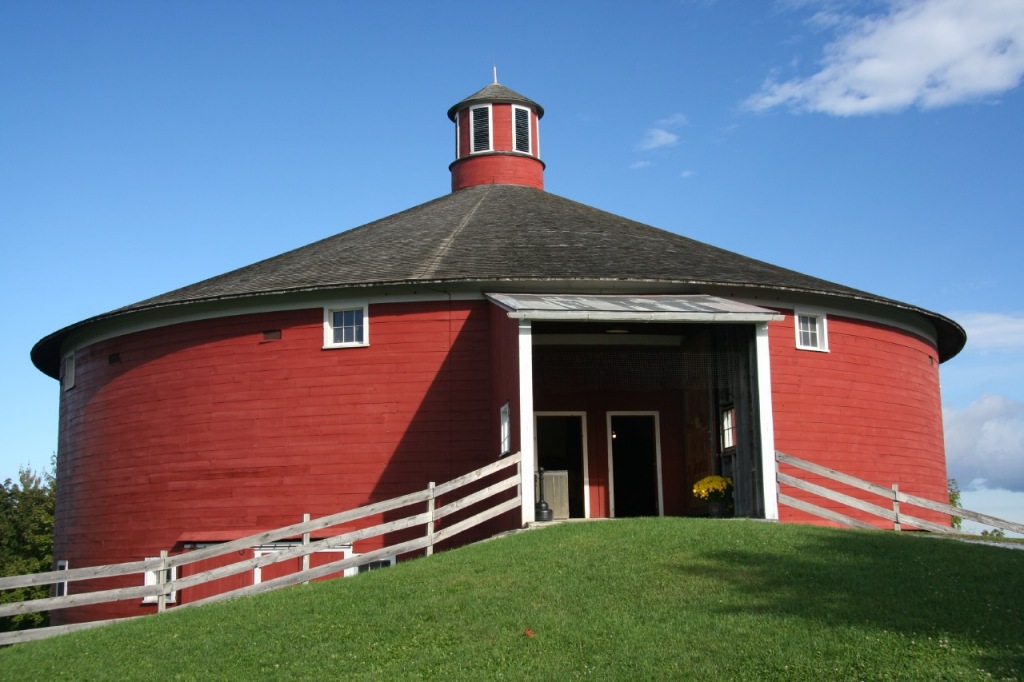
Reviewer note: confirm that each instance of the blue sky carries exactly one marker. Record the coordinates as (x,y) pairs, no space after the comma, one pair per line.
(875,143)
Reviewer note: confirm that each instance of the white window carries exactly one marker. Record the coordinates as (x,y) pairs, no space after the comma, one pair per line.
(150,578)
(811,330)
(728,427)
(522,141)
(68,379)
(480,128)
(458,135)
(375,564)
(506,430)
(346,327)
(61,589)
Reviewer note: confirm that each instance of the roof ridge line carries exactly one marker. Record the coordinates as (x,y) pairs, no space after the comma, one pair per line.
(432,266)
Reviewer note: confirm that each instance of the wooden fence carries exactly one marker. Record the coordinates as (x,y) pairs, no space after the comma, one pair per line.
(892,513)
(165,566)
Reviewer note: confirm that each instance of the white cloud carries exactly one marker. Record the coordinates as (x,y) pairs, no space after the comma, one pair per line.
(655,138)
(687,174)
(673,121)
(985,443)
(924,53)
(993,331)
(659,135)
(639,164)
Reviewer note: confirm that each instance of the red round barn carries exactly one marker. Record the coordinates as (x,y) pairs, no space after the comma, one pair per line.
(628,360)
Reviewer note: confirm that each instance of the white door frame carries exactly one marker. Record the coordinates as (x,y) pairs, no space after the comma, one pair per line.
(586,465)
(657,456)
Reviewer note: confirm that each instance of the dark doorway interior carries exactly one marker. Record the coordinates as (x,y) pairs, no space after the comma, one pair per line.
(560,447)
(634,465)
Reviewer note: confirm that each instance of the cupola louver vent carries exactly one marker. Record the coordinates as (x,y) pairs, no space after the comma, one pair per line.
(522,130)
(481,129)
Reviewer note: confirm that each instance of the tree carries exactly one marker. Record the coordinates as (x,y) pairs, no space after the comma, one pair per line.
(26,540)
(954,501)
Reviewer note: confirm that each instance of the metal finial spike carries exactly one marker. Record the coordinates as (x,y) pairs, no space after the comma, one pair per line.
(495,74)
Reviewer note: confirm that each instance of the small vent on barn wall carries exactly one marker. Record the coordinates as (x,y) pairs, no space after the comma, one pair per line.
(272,335)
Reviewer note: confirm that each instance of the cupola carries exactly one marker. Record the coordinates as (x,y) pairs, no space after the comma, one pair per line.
(497,141)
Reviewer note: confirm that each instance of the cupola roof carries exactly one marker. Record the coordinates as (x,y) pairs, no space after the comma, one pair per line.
(495,93)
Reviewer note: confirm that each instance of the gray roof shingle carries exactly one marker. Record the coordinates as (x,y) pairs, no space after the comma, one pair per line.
(498,94)
(500,233)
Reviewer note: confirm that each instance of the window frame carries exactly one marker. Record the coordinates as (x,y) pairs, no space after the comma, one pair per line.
(331,310)
(472,129)
(505,421)
(371,565)
(61,588)
(67,378)
(821,329)
(529,130)
(458,135)
(727,427)
(149,578)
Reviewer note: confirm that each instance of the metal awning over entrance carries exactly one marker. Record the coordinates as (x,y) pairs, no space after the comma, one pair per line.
(693,308)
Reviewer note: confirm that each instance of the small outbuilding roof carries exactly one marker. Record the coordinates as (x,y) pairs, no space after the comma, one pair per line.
(503,233)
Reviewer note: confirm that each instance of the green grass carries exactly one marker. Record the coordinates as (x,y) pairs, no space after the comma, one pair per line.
(647,599)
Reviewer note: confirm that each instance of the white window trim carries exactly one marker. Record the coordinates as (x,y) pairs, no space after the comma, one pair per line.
(505,418)
(727,428)
(490,130)
(150,579)
(822,320)
(68,380)
(349,572)
(274,548)
(62,587)
(458,135)
(529,130)
(329,329)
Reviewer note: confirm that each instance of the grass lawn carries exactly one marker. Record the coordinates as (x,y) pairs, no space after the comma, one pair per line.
(648,599)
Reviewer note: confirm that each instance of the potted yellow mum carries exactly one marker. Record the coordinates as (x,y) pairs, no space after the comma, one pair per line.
(716,491)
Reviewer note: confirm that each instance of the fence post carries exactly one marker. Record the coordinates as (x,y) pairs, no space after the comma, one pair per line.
(305,541)
(161,580)
(896,505)
(430,522)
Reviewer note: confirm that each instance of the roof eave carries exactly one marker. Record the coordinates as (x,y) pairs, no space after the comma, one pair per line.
(46,354)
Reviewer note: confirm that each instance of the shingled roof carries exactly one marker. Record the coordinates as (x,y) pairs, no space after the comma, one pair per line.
(500,233)
(495,93)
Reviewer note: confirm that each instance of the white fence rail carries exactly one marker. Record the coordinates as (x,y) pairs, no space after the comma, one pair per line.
(162,566)
(892,495)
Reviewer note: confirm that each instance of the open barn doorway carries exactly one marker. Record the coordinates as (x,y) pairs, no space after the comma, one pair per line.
(562,447)
(635,464)
(701,382)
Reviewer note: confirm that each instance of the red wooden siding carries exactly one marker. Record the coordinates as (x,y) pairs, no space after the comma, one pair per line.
(870,407)
(505,374)
(206,427)
(214,587)
(506,169)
